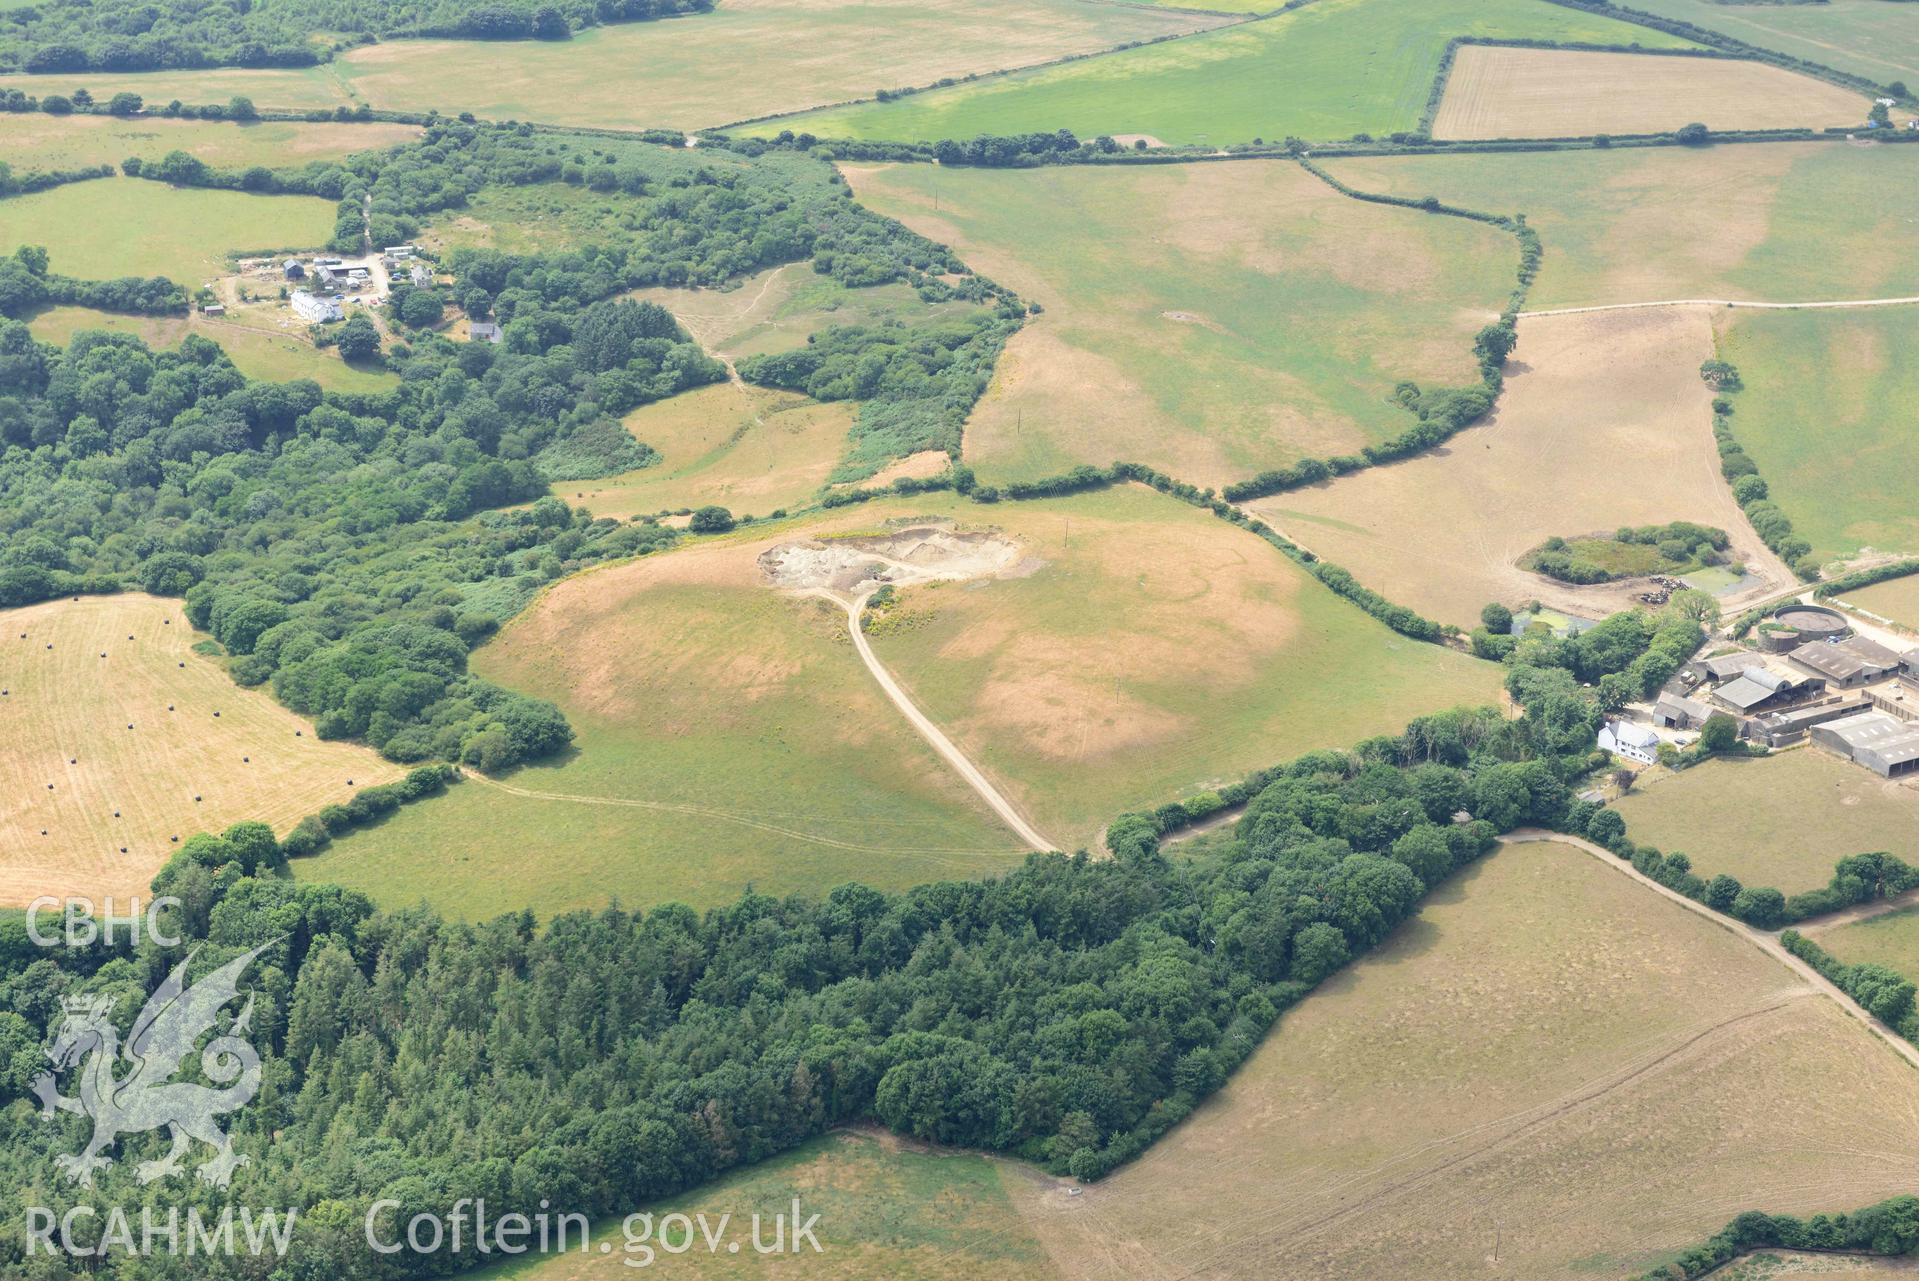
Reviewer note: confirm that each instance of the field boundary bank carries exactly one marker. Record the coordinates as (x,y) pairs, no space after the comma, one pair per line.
(1729,304)
(1765,941)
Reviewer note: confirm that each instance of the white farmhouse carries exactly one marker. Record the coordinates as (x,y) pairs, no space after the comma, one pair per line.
(314,309)
(1634,742)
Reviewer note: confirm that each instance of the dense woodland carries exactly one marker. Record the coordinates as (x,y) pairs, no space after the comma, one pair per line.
(1068,1013)
(48,36)
(342,547)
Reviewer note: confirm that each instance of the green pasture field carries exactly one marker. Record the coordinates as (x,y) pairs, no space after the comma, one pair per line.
(1777,222)
(1330,69)
(1896,598)
(1891,940)
(887,1212)
(1214,320)
(41,141)
(110,227)
(280,358)
(1152,651)
(1782,821)
(1871,38)
(1827,412)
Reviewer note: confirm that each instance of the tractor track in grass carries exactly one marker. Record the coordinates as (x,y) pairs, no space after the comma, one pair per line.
(1728,303)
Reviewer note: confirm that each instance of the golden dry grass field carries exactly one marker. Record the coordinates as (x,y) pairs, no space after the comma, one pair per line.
(1783,821)
(1212,320)
(749,449)
(1769,222)
(180,769)
(301,89)
(1499,92)
(1604,422)
(1549,1073)
(68,142)
(257,353)
(728,734)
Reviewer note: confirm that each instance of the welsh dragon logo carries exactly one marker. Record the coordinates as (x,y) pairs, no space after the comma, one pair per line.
(146,1098)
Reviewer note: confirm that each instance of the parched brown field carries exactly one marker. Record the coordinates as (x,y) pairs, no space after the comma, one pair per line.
(1549,1073)
(1604,422)
(37,141)
(1146,651)
(64,721)
(1783,821)
(749,449)
(1498,92)
(1213,320)
(728,734)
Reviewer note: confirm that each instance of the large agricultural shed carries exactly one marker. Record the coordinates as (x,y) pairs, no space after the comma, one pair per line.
(1884,744)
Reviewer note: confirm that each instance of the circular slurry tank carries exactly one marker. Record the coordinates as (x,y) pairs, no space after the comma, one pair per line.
(1794,625)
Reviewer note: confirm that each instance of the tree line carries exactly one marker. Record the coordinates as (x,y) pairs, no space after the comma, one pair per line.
(343,546)
(1067,1013)
(61,36)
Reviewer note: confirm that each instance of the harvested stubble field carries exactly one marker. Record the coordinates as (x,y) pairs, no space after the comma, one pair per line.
(1782,821)
(111,227)
(1211,320)
(1549,1073)
(887,1212)
(256,353)
(1604,422)
(70,142)
(1826,414)
(749,449)
(1869,38)
(1138,651)
(64,718)
(1498,92)
(1767,222)
(1329,69)
(1897,599)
